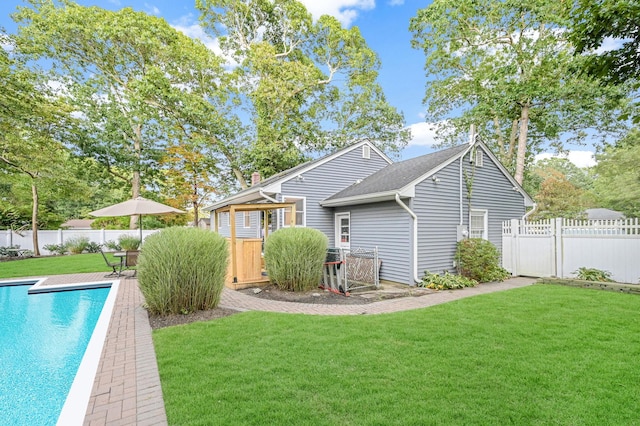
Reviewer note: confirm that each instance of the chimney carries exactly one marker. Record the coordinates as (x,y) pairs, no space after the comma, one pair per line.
(255,178)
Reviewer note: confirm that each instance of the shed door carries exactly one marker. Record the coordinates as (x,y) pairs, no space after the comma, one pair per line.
(343,230)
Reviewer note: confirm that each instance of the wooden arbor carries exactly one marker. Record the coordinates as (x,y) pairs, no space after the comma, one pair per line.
(246,263)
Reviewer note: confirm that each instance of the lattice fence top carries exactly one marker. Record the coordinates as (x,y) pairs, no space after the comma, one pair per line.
(620,227)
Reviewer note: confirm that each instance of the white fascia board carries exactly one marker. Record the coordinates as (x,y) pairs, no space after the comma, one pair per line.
(274,188)
(362,199)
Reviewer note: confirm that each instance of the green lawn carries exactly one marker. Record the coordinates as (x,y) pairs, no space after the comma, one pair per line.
(538,355)
(53,265)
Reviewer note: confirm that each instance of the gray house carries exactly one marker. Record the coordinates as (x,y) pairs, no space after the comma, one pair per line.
(413,211)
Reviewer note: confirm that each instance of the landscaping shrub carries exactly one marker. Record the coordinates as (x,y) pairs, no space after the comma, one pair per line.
(182,270)
(58,249)
(294,258)
(479,260)
(129,242)
(593,274)
(77,245)
(93,247)
(445,281)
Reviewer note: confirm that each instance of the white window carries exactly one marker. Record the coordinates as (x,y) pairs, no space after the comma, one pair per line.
(366,151)
(479,158)
(300,211)
(247,219)
(478,224)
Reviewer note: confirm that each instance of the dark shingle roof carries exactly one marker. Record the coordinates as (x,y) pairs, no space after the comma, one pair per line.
(398,175)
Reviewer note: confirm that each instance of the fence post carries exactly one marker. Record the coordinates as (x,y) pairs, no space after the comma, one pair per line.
(515,231)
(557,247)
(103,236)
(9,238)
(60,241)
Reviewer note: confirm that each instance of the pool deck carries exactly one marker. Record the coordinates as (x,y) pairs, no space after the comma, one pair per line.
(127,389)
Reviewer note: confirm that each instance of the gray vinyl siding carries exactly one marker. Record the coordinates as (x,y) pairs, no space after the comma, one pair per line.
(241,232)
(437,205)
(437,208)
(387,226)
(324,181)
(492,191)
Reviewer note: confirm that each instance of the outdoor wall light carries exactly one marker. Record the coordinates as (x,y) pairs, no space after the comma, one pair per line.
(435,178)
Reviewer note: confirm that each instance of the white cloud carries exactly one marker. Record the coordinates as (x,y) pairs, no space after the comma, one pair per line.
(422,134)
(579,158)
(608,44)
(345,11)
(151,9)
(396,2)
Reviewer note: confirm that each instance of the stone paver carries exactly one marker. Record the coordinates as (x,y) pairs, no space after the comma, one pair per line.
(127,388)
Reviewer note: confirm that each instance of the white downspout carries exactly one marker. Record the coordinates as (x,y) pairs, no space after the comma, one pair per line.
(527,214)
(461,207)
(415,237)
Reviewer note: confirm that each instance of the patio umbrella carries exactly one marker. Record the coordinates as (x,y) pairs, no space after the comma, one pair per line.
(136,206)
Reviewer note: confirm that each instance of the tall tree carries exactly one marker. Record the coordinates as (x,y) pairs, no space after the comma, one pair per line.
(506,66)
(307,86)
(617,175)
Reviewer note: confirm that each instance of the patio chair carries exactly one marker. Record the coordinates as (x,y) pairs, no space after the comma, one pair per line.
(116,266)
(131,259)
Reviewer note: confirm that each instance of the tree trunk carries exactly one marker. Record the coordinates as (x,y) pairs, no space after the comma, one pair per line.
(522,143)
(34,218)
(135,180)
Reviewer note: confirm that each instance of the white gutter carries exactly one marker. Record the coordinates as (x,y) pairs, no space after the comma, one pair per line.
(415,237)
(526,215)
(461,208)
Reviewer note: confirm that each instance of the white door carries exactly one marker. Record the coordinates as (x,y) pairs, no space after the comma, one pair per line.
(343,230)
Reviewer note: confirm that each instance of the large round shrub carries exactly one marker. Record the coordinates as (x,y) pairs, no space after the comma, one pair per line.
(182,270)
(294,257)
(479,260)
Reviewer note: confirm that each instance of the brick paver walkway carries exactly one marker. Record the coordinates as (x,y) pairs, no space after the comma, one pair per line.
(127,387)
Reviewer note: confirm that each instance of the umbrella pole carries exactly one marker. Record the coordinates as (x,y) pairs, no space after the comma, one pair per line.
(140,226)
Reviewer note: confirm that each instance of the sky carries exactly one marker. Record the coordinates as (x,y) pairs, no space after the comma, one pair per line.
(383,23)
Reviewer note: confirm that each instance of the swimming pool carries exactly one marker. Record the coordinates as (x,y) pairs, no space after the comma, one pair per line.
(47,349)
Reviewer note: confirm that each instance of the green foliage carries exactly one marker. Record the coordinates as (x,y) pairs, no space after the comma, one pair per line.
(182,270)
(294,258)
(120,222)
(446,281)
(593,274)
(93,247)
(129,242)
(77,245)
(58,249)
(479,260)
(4,251)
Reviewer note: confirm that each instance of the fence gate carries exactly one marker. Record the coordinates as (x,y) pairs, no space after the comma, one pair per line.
(346,270)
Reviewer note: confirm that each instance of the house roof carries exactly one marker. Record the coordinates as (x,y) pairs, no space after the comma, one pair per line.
(271,185)
(603,214)
(401,178)
(78,224)
(397,176)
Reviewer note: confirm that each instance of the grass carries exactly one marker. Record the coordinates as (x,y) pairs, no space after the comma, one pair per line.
(538,355)
(53,265)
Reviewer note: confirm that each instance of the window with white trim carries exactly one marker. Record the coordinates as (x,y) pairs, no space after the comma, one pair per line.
(247,219)
(223,219)
(478,224)
(300,211)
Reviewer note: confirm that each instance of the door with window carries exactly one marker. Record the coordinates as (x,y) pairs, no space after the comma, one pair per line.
(343,230)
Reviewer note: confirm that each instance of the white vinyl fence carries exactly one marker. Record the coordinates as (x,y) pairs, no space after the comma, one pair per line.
(558,247)
(24,239)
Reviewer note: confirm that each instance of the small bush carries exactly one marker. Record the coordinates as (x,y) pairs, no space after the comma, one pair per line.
(446,281)
(112,245)
(129,242)
(294,258)
(593,274)
(93,247)
(5,251)
(182,270)
(58,249)
(77,245)
(479,260)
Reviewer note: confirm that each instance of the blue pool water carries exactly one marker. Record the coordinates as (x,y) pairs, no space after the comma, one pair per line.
(42,340)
